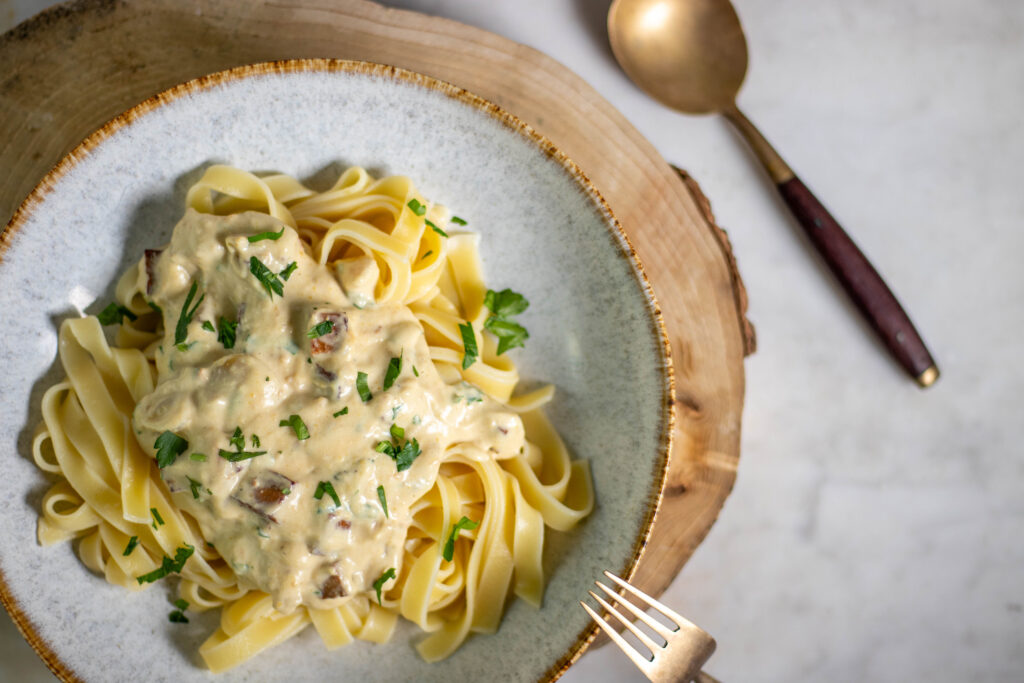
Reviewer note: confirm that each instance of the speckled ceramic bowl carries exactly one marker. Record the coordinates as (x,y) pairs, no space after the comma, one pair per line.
(594,325)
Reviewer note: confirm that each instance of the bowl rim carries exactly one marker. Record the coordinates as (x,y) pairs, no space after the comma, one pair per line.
(50,181)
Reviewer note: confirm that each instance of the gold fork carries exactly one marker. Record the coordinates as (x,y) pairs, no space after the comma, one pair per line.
(686,646)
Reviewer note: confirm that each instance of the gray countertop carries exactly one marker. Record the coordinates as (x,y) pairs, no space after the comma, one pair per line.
(876,531)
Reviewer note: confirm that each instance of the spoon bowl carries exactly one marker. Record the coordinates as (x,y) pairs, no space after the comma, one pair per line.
(690,56)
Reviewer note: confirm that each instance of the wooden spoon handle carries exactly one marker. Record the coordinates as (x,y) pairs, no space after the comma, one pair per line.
(853,270)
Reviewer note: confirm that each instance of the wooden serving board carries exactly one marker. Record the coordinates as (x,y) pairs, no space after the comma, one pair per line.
(72,68)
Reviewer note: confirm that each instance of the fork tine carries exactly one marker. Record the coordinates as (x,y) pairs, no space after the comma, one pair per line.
(640,635)
(653,624)
(677,618)
(641,662)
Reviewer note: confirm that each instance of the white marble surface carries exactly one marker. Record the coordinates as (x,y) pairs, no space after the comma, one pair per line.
(876,531)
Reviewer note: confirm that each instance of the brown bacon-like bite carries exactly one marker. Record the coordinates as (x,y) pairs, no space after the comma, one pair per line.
(150,256)
(263,493)
(332,588)
(327,342)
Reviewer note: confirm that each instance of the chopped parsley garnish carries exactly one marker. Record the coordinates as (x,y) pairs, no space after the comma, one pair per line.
(469,343)
(114,314)
(503,306)
(168,447)
(436,229)
(255,441)
(228,332)
(237,439)
(267,278)
(458,221)
(156,517)
(207,325)
(383,499)
(449,545)
(505,303)
(403,455)
(393,371)
(269,235)
(237,456)
(384,578)
(417,208)
(296,423)
(196,486)
(415,371)
(178,615)
(343,411)
(328,488)
(132,542)
(510,334)
(181,329)
(198,457)
(362,387)
(320,329)
(168,566)
(429,252)
(289,269)
(156,308)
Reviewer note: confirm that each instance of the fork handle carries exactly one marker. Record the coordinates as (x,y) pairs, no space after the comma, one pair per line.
(705,678)
(855,273)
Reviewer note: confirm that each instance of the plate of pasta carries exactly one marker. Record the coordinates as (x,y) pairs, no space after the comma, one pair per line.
(321,368)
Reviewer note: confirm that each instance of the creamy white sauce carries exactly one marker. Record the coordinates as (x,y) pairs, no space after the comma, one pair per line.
(260,513)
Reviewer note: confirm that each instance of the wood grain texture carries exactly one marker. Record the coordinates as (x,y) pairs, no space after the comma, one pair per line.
(72,68)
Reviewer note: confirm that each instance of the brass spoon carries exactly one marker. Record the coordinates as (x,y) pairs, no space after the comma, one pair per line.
(692,56)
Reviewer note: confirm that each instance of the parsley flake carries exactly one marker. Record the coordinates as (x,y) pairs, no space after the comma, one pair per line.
(403,455)
(436,229)
(114,314)
(383,499)
(168,566)
(379,583)
(503,306)
(177,617)
(458,221)
(469,343)
(198,457)
(328,488)
(393,371)
(237,439)
(196,486)
(168,447)
(417,208)
(449,545)
(269,235)
(296,423)
(289,269)
(362,387)
(181,603)
(185,317)
(267,278)
(320,329)
(343,411)
(132,542)
(228,332)
(238,456)
(207,325)
(156,517)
